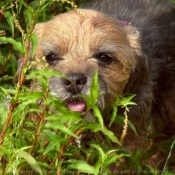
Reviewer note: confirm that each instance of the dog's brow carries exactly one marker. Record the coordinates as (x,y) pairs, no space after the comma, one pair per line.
(49,47)
(107,48)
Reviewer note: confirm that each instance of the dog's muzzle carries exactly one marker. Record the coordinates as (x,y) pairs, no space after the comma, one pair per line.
(74,85)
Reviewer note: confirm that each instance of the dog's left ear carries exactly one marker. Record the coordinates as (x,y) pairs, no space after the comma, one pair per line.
(38,30)
(134,38)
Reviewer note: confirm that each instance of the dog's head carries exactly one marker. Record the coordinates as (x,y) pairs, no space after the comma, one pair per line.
(77,44)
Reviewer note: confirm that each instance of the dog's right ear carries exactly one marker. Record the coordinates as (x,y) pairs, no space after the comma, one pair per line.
(38,30)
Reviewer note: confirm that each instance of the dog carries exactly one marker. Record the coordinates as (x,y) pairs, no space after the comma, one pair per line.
(132,45)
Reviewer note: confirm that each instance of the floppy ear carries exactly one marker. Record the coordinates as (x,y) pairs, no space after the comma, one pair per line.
(134,38)
(38,30)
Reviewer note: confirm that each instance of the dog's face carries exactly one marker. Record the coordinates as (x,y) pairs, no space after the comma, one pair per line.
(77,44)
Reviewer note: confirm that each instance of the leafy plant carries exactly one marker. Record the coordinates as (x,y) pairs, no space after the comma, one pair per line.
(38,133)
(33,139)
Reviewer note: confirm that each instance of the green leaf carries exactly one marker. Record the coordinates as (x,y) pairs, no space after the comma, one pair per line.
(12,101)
(51,146)
(120,119)
(24,104)
(17,45)
(31,96)
(61,127)
(113,158)
(110,135)
(34,110)
(34,41)
(53,136)
(95,127)
(19,7)
(44,6)
(127,100)
(4,108)
(7,91)
(100,150)
(94,87)
(30,160)
(65,117)
(97,167)
(5,150)
(9,19)
(111,151)
(45,72)
(28,16)
(132,127)
(82,166)
(97,113)
(114,114)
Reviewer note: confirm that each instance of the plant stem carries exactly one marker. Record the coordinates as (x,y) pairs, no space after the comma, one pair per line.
(12,107)
(71,140)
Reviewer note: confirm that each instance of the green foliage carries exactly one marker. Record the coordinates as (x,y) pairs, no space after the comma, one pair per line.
(37,140)
(33,138)
(55,137)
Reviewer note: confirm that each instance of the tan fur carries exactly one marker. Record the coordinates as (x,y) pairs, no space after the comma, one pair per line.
(76,37)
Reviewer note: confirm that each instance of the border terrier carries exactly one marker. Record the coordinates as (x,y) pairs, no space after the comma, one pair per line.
(132,45)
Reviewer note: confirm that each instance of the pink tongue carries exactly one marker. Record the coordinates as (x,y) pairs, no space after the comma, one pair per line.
(76,106)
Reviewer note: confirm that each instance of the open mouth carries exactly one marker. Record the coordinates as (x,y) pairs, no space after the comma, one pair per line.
(76,104)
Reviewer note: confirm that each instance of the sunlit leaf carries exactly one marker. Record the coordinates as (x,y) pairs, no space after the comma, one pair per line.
(110,135)
(17,45)
(82,166)
(94,87)
(31,96)
(30,160)
(97,167)
(46,73)
(61,127)
(97,113)
(127,100)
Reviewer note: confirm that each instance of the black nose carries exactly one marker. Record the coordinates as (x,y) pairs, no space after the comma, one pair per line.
(75,83)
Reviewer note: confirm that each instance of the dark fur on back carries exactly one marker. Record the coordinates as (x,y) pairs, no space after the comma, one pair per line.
(154,78)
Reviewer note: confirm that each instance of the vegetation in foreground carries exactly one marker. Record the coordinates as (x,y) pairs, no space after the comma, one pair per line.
(53,143)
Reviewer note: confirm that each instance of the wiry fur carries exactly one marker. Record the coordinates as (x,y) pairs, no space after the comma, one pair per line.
(153,79)
(143,53)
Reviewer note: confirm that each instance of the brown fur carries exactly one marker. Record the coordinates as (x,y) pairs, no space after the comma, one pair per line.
(75,38)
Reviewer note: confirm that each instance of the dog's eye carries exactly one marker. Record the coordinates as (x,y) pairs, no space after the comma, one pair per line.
(104,58)
(52,58)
